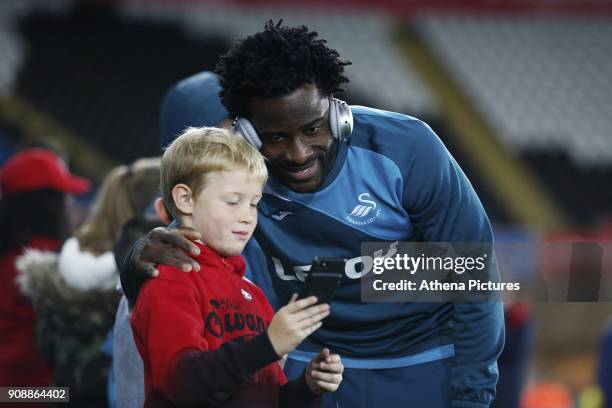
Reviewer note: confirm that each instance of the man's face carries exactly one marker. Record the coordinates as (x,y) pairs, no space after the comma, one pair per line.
(296,137)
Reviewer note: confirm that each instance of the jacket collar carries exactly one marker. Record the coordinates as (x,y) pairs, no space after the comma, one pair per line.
(211,258)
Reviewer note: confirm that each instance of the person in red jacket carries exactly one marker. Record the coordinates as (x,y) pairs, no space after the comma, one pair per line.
(211,338)
(34,184)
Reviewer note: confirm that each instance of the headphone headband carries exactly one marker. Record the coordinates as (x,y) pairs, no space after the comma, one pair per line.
(340,122)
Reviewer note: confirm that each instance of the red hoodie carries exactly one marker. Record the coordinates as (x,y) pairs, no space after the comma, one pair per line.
(202,336)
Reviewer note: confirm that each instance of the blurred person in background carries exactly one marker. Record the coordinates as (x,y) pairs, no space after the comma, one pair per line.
(74,292)
(604,364)
(323,156)
(193,101)
(34,185)
(126,387)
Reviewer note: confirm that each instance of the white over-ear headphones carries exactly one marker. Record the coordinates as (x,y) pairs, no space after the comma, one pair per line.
(340,122)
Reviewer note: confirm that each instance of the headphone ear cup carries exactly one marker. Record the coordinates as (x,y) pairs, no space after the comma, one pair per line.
(340,119)
(245,128)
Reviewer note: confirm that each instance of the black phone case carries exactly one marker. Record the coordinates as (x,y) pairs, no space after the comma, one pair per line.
(323,278)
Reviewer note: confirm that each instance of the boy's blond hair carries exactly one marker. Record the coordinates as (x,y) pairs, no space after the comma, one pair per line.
(196,153)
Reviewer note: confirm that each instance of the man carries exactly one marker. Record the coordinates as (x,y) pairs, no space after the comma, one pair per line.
(342,176)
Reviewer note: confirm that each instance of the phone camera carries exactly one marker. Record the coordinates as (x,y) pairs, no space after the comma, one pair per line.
(324,263)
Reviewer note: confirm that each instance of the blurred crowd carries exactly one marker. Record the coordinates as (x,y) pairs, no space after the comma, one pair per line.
(60,283)
(63,319)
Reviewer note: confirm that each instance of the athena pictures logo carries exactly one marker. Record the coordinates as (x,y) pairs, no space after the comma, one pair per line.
(365,207)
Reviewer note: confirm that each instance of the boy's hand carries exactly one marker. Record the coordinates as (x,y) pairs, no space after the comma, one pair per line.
(294,322)
(164,246)
(324,373)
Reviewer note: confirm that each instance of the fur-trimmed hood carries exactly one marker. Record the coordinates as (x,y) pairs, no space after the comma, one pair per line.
(85,271)
(41,279)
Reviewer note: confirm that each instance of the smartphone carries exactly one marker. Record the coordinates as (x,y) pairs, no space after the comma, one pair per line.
(324,276)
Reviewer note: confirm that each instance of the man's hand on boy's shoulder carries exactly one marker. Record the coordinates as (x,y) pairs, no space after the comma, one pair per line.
(166,246)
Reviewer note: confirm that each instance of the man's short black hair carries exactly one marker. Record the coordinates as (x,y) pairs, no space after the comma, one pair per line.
(275,62)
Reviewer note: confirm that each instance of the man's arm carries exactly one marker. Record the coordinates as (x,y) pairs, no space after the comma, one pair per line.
(161,246)
(130,279)
(444,207)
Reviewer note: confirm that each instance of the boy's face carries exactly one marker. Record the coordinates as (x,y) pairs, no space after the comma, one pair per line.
(225,211)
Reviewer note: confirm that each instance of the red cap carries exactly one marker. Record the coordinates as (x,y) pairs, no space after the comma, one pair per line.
(36,169)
